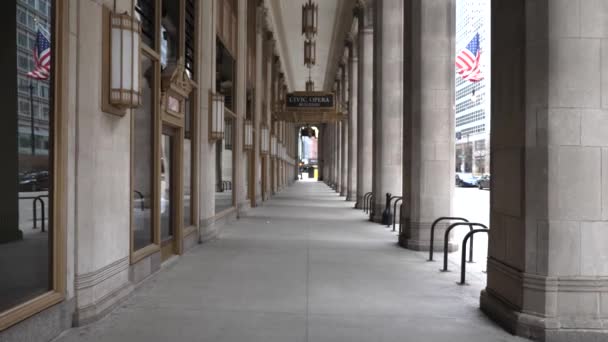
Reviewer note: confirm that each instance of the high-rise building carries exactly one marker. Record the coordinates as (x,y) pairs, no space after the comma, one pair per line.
(473,100)
(33,95)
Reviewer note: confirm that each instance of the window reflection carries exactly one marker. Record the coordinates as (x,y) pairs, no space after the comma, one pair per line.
(143,152)
(224,162)
(188,157)
(224,158)
(169,44)
(26,253)
(166,188)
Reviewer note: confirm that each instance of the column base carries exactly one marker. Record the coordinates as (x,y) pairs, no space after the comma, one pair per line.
(359,203)
(539,328)
(425,245)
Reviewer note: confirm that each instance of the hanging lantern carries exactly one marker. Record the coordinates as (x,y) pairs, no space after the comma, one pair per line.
(273,146)
(228,140)
(248,141)
(124,61)
(310,52)
(265,140)
(310,86)
(216,115)
(310,18)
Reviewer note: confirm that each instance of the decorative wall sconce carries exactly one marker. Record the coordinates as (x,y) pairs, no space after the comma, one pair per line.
(248,141)
(121,61)
(216,117)
(310,15)
(265,140)
(310,52)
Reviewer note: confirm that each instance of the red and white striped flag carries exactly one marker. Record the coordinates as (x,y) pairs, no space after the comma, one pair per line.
(42,56)
(467,61)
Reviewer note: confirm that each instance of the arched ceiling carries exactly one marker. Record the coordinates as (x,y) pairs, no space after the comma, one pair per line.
(335,19)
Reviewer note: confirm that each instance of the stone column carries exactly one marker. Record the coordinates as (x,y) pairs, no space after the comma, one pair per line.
(547,262)
(338,153)
(344,157)
(268,109)
(365,100)
(257,158)
(351,189)
(330,137)
(388,102)
(240,100)
(344,132)
(428,139)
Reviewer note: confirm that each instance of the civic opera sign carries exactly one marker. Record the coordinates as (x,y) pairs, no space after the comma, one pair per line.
(310,107)
(310,101)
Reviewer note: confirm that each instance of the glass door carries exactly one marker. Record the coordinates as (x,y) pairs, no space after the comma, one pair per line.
(168,203)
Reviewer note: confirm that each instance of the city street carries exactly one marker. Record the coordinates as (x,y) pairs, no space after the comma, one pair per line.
(474,205)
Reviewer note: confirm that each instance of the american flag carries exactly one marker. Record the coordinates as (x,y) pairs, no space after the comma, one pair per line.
(42,56)
(467,61)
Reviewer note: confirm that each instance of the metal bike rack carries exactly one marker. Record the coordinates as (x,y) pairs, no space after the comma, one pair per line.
(38,199)
(444,218)
(141,197)
(365,201)
(389,208)
(395,211)
(226,185)
(445,241)
(463,263)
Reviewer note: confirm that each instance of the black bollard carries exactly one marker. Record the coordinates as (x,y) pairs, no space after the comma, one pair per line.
(387,218)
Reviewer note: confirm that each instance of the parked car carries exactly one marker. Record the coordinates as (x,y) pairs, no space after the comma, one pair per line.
(465,179)
(34,181)
(484,182)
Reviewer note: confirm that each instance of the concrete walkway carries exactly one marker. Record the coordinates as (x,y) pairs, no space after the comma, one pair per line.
(305,267)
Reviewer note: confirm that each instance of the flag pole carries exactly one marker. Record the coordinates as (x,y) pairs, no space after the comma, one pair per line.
(33,142)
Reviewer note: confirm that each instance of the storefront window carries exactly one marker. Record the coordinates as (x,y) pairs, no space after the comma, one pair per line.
(26,216)
(143,159)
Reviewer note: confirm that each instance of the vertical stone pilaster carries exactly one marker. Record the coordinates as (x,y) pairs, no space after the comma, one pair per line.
(239,190)
(344,157)
(365,101)
(344,131)
(388,102)
(351,192)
